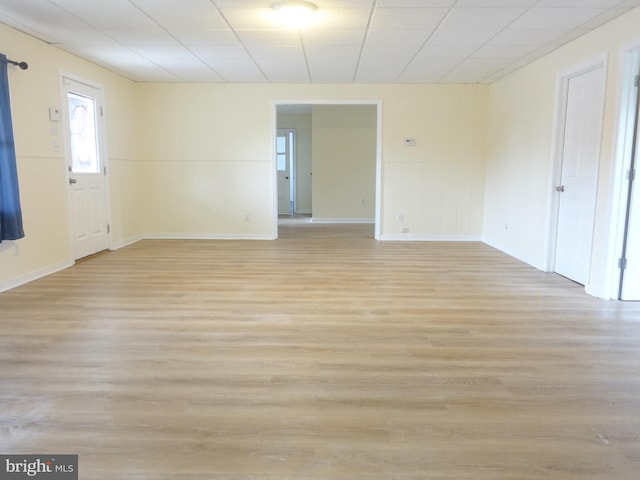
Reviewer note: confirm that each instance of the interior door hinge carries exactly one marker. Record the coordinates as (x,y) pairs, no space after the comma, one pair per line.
(104,170)
(108,228)
(622,263)
(101,111)
(631,174)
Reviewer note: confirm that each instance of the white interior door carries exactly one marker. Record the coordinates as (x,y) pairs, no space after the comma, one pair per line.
(86,167)
(577,189)
(284,165)
(630,274)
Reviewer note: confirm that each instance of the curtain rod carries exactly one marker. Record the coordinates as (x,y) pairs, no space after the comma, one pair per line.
(22,65)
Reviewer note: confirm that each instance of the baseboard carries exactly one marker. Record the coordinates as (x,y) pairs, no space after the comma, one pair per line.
(207,236)
(126,242)
(342,220)
(408,237)
(516,255)
(34,275)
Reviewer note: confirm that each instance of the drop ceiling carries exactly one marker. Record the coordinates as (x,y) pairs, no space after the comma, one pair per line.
(352,41)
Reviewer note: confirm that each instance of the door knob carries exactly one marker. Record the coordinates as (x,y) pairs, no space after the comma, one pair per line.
(72,181)
(560,188)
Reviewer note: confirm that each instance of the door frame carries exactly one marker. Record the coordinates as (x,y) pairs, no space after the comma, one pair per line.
(557,154)
(628,68)
(102,147)
(292,166)
(326,102)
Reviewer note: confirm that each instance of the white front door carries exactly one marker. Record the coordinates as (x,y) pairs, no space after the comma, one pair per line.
(577,188)
(83,117)
(284,165)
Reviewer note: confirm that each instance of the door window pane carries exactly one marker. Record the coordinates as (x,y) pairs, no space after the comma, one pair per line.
(282,163)
(82,124)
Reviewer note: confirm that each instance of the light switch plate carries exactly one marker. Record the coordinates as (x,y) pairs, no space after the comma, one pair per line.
(54,114)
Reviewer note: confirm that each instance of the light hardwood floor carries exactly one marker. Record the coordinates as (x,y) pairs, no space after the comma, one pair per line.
(322,355)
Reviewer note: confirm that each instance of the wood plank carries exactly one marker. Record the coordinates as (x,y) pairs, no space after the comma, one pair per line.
(322,355)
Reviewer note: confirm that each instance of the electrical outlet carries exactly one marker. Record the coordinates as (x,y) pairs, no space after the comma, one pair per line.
(247,217)
(405,230)
(401,217)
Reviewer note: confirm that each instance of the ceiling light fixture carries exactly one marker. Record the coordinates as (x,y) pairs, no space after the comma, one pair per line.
(295,14)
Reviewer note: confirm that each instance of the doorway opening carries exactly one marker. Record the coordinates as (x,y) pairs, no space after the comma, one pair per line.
(285,166)
(334,173)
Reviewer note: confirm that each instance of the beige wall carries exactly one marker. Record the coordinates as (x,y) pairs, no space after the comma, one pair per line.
(207,151)
(41,170)
(436,186)
(344,162)
(519,177)
(301,123)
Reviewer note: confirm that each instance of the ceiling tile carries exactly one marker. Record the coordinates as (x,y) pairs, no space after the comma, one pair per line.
(555,18)
(177,54)
(204,37)
(481,18)
(277,54)
(445,37)
(223,51)
(456,52)
(332,71)
(269,37)
(578,3)
(319,37)
(408,18)
(291,72)
(171,3)
(41,19)
(111,14)
(182,17)
(502,51)
(475,70)
(519,37)
(333,53)
(369,70)
(142,36)
(388,40)
(200,74)
(402,39)
(495,3)
(241,3)
(343,18)
(432,72)
(242,70)
(415,3)
(326,4)
(390,43)
(250,18)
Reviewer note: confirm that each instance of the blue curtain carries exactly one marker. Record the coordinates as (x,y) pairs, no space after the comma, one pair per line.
(10,211)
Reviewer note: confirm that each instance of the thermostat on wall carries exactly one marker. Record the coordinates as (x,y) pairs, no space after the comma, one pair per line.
(409,142)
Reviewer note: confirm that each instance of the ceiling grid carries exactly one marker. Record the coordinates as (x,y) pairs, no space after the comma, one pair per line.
(351,41)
